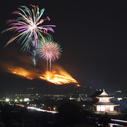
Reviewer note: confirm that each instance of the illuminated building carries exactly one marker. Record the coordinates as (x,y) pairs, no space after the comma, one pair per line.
(104,104)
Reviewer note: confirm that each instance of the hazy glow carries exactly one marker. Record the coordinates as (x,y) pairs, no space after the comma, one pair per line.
(21,72)
(78,85)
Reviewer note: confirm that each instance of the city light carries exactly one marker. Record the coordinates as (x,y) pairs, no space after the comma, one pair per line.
(7,99)
(26,99)
(119,99)
(20,100)
(15,100)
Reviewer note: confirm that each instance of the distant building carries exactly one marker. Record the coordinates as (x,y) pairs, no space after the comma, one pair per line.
(104,104)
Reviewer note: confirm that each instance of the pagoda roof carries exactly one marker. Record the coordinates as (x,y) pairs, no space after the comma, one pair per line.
(103,94)
(100,94)
(105,103)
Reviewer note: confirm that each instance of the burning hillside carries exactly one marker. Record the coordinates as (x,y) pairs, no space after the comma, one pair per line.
(21,72)
(20,65)
(56,78)
(52,76)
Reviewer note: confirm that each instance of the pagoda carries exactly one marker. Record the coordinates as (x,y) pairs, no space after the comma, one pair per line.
(104,104)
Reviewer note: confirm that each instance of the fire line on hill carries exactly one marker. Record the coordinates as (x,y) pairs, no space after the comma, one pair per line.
(53,76)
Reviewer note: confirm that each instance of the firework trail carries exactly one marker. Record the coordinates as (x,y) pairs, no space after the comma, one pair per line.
(50,51)
(28,27)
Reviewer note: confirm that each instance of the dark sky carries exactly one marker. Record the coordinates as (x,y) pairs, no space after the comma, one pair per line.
(92,35)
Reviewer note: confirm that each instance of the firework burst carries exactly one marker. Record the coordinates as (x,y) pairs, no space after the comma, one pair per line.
(50,51)
(28,26)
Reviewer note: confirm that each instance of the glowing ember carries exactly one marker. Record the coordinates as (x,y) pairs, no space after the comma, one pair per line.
(20,72)
(78,85)
(55,78)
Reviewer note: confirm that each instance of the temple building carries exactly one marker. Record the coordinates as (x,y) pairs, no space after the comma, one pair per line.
(104,104)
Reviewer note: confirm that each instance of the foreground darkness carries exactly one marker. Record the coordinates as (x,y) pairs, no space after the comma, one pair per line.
(70,115)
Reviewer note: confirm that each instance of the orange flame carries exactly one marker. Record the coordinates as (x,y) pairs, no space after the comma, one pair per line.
(58,79)
(21,72)
(53,76)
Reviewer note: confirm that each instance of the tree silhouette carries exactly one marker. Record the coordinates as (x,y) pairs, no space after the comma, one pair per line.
(105,119)
(68,114)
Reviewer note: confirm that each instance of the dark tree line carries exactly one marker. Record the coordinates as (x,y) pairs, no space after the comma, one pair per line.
(69,115)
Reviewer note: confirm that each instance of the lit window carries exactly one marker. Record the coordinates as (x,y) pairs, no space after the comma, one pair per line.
(102,108)
(111,108)
(98,108)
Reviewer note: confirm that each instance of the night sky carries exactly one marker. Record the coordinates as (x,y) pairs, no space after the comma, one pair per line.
(92,35)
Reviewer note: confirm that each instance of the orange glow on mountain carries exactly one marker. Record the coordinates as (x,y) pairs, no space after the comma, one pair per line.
(21,72)
(56,78)
(59,78)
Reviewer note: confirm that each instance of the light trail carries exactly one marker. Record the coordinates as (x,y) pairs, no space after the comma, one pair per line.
(41,110)
(116,120)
